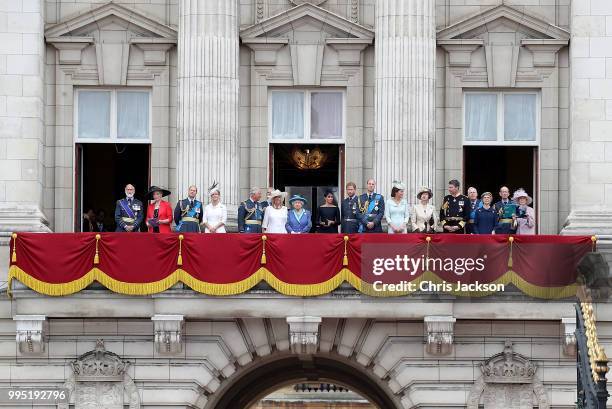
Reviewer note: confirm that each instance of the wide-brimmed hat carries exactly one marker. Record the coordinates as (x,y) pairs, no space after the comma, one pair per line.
(277,193)
(521,193)
(295,198)
(153,189)
(424,190)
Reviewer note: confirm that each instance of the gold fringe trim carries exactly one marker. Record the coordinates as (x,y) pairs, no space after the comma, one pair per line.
(263,274)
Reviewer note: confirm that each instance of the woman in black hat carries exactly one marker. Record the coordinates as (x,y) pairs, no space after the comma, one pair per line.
(159,213)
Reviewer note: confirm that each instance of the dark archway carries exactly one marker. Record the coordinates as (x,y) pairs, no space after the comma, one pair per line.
(265,375)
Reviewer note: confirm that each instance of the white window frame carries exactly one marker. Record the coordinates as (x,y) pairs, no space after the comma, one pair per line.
(113,116)
(307,92)
(500,141)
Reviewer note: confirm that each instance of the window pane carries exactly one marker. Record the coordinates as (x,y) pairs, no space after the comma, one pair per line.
(288,115)
(94,114)
(326,115)
(481,117)
(520,117)
(133,115)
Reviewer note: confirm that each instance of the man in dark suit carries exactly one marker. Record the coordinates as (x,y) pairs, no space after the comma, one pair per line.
(129,212)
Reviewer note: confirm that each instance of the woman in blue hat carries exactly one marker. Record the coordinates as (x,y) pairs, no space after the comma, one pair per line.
(298,219)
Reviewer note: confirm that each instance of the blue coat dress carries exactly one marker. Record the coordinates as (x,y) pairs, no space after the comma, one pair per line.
(485,220)
(303,225)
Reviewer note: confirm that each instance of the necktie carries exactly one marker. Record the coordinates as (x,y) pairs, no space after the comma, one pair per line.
(130,202)
(370,198)
(191,204)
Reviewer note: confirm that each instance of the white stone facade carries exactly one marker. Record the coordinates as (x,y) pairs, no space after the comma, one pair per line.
(190,351)
(50,48)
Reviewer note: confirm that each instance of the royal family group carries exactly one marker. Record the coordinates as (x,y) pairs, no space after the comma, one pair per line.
(369,212)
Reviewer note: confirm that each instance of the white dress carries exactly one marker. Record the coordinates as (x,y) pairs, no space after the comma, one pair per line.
(215,215)
(274,220)
(421,216)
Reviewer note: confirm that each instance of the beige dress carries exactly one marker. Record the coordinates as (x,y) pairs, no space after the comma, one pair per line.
(421,217)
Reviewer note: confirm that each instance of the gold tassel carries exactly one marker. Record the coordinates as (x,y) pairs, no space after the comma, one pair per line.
(510,262)
(264,260)
(594,241)
(345,259)
(428,240)
(179,261)
(97,256)
(14,255)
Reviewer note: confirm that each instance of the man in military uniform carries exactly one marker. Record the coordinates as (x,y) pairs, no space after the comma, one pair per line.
(372,208)
(188,213)
(505,208)
(351,216)
(251,213)
(455,210)
(129,212)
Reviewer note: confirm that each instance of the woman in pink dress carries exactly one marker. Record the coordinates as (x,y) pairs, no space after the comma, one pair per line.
(525,215)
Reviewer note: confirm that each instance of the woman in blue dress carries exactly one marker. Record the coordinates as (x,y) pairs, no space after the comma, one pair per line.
(485,217)
(298,219)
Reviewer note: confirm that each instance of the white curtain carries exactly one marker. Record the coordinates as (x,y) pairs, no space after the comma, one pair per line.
(94,114)
(520,117)
(326,115)
(287,115)
(132,115)
(481,117)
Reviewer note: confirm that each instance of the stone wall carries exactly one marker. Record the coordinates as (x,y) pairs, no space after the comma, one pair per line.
(590,180)
(211,352)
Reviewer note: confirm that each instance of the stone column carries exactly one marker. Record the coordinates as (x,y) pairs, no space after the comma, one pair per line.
(405,88)
(22,85)
(590,164)
(208,97)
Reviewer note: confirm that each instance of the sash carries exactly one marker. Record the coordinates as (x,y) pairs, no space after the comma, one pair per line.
(124,205)
(190,213)
(372,205)
(298,217)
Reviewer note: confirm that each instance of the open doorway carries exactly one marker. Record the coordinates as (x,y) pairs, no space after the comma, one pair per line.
(309,170)
(103,170)
(487,168)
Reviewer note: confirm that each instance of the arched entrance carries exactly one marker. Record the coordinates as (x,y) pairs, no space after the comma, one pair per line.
(266,375)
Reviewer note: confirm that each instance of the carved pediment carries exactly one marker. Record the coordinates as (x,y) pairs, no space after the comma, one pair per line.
(112,29)
(112,16)
(508,367)
(307,16)
(307,30)
(506,35)
(503,19)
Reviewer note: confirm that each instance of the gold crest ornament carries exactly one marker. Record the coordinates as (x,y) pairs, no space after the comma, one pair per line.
(308,159)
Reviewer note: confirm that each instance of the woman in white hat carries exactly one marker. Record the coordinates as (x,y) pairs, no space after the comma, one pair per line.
(424,217)
(396,210)
(275,216)
(525,215)
(215,213)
